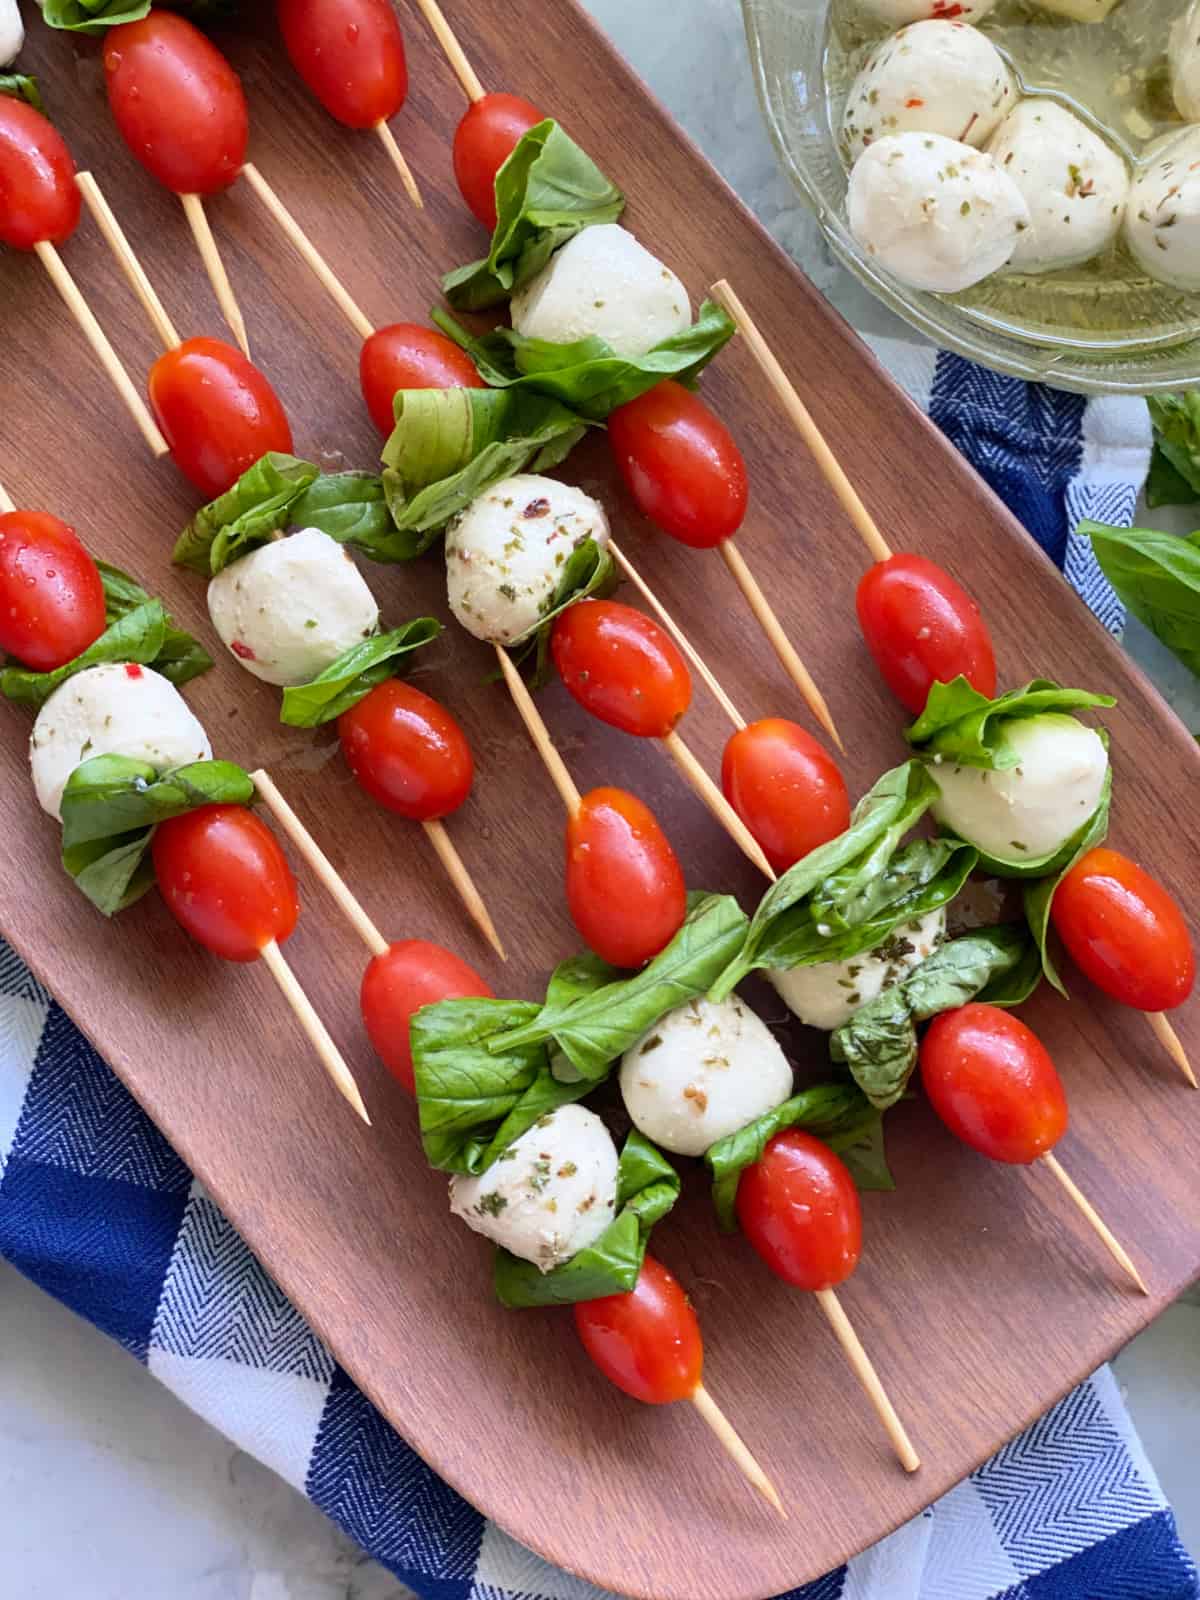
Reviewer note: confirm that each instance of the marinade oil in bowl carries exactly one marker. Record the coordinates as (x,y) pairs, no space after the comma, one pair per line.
(1101,327)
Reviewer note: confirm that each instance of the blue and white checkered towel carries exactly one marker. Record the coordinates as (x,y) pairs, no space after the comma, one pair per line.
(96,1208)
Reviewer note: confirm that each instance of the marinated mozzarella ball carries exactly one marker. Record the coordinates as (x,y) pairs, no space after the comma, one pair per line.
(1074,185)
(897,12)
(551,1193)
(1027,811)
(829,993)
(701,1072)
(505,553)
(603,283)
(931,77)
(1162,219)
(118,709)
(289,609)
(934,212)
(12,32)
(1183,54)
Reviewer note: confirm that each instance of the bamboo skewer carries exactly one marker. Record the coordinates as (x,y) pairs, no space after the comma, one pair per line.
(1094,1219)
(735,1448)
(101,348)
(554,764)
(1171,1043)
(707,790)
(451,49)
(5,503)
(330,1055)
(456,871)
(193,210)
(119,245)
(396,156)
(865,1372)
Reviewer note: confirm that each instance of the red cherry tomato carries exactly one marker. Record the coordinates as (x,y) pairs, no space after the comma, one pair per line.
(923,628)
(786,789)
(483,142)
(621,667)
(226,880)
(51,596)
(177,103)
(625,889)
(681,465)
(992,1082)
(38,198)
(407,752)
(217,412)
(647,1342)
(408,356)
(350,53)
(799,1209)
(1125,932)
(411,974)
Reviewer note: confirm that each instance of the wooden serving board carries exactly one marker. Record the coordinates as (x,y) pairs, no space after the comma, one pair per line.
(980,1296)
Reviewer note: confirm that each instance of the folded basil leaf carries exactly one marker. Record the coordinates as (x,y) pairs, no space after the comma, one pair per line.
(594,1028)
(547,191)
(961,725)
(829,1110)
(647,1188)
(92,16)
(112,873)
(864,1154)
(354,674)
(1039,896)
(589,376)
(1157,575)
(350,507)
(182,657)
(251,513)
(20,87)
(1176,422)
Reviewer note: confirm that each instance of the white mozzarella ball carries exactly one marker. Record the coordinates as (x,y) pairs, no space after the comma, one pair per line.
(828,993)
(934,212)
(701,1072)
(931,77)
(1074,185)
(1162,219)
(896,13)
(118,709)
(603,283)
(12,32)
(551,1193)
(505,553)
(1183,54)
(290,608)
(1027,811)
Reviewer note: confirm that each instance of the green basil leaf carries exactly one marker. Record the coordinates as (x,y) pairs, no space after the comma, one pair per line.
(354,674)
(137,636)
(1157,575)
(547,191)
(595,1028)
(964,726)
(21,87)
(865,1154)
(647,1188)
(1176,421)
(1165,486)
(588,570)
(589,376)
(350,507)
(879,1047)
(826,1109)
(92,16)
(122,594)
(251,513)
(1039,896)
(581,975)
(114,872)
(182,656)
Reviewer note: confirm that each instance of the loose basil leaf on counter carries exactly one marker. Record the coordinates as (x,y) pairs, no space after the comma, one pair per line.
(647,1188)
(20,87)
(250,513)
(1157,575)
(354,674)
(349,506)
(449,445)
(1175,467)
(833,1111)
(588,375)
(1039,896)
(965,727)
(547,191)
(594,1028)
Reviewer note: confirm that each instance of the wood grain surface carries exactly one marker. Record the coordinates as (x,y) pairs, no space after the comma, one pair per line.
(980,1296)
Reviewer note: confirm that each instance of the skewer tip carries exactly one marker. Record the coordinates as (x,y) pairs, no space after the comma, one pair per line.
(735,1448)
(1172,1044)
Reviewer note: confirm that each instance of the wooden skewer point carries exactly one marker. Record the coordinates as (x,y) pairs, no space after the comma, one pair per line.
(1171,1043)
(470,896)
(539,733)
(859,1360)
(328,1052)
(780,643)
(735,1448)
(193,210)
(388,140)
(6,504)
(707,790)
(114,236)
(677,633)
(451,49)
(1094,1219)
(801,418)
(102,349)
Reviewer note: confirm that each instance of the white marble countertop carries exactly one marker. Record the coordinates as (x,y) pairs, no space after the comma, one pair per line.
(109,1489)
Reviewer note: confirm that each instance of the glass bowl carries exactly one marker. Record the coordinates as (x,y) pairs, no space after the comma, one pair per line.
(789,40)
